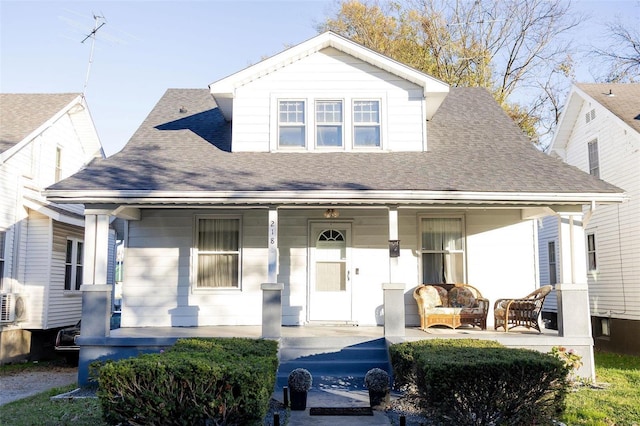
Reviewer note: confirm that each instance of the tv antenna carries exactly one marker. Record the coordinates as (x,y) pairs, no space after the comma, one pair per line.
(99,22)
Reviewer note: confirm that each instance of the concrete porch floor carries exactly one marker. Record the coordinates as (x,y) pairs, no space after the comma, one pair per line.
(513,337)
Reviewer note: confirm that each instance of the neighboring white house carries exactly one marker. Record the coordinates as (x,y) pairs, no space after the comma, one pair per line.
(299,176)
(43,138)
(599,132)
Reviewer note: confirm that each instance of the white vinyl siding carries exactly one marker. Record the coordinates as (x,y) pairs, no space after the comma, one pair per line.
(159,290)
(614,288)
(35,245)
(159,287)
(65,307)
(328,75)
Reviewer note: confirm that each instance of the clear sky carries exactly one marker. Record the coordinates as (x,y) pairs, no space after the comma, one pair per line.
(146,47)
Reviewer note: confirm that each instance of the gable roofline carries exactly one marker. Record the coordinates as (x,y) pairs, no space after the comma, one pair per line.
(77,101)
(575,100)
(223,90)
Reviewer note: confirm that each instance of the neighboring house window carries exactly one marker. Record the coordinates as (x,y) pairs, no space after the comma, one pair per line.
(3,238)
(442,250)
(218,253)
(553,278)
(591,252)
(329,124)
(594,162)
(291,124)
(58,164)
(366,124)
(73,265)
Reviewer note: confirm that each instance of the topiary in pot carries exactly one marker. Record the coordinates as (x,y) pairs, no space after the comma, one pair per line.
(299,382)
(377,381)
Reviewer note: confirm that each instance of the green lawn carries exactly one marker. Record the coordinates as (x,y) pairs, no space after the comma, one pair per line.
(616,401)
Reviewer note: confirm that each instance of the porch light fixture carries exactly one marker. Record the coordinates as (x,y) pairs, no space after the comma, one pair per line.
(331,213)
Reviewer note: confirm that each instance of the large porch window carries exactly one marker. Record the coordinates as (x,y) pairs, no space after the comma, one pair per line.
(218,253)
(442,250)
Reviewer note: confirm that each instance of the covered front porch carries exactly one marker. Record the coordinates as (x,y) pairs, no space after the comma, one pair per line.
(132,341)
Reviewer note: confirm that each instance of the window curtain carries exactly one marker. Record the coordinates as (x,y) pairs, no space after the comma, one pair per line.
(442,258)
(218,252)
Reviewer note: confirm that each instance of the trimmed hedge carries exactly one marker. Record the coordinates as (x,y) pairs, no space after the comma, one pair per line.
(469,382)
(196,382)
(403,355)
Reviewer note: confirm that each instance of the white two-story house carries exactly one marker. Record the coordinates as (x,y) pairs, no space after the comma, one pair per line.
(599,133)
(321,186)
(44,138)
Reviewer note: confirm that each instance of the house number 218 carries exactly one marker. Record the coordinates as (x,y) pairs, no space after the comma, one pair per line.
(272,232)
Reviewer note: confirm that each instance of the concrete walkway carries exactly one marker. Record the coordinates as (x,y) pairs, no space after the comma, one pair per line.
(331,399)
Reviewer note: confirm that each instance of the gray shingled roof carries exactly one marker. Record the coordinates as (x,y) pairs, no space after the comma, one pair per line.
(625,102)
(22,113)
(473,146)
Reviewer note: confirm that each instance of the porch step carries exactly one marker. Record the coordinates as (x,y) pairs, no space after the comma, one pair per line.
(334,362)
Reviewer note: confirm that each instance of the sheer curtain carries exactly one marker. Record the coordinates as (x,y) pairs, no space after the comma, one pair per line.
(218,252)
(442,253)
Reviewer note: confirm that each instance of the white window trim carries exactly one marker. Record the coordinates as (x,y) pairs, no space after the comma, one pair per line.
(594,251)
(354,125)
(342,124)
(74,264)
(310,99)
(464,242)
(590,142)
(194,256)
(553,265)
(305,124)
(58,164)
(3,257)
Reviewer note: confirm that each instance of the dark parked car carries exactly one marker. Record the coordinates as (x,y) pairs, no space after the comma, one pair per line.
(66,339)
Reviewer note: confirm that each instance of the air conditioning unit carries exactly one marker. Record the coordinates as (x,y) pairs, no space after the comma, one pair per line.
(13,307)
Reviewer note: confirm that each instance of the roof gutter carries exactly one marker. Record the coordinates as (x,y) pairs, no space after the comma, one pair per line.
(329,197)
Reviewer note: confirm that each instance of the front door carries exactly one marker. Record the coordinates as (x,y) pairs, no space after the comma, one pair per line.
(330,279)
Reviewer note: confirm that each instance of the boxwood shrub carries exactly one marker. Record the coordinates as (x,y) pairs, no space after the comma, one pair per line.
(469,382)
(195,382)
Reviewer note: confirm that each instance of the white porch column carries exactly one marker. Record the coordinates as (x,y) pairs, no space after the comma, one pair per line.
(271,290)
(574,315)
(394,322)
(96,293)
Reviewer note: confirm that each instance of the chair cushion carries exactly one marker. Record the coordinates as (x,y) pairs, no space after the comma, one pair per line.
(477,310)
(460,297)
(432,296)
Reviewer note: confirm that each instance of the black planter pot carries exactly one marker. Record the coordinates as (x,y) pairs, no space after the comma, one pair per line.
(298,400)
(378,398)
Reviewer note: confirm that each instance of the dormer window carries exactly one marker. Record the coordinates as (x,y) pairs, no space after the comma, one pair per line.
(366,124)
(329,124)
(291,124)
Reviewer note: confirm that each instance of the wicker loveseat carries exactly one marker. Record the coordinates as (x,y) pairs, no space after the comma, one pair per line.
(451,305)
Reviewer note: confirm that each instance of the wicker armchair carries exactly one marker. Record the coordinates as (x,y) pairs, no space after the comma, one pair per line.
(510,313)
